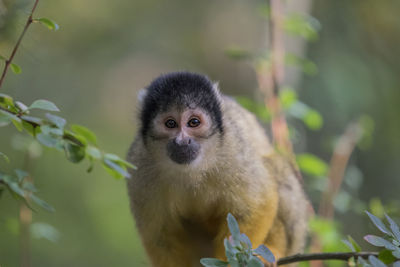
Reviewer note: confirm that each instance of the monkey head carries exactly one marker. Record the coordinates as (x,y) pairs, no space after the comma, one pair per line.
(181,119)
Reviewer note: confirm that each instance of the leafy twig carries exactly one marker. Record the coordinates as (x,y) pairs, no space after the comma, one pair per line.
(325,256)
(14,51)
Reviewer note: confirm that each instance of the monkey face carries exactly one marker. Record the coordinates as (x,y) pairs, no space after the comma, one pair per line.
(181,121)
(182,133)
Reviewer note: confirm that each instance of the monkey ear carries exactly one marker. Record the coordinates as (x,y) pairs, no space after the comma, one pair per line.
(141,95)
(217,92)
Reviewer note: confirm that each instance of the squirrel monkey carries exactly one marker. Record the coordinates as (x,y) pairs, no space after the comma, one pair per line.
(200,156)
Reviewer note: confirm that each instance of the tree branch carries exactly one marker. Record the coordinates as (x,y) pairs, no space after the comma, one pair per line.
(66,136)
(14,51)
(341,155)
(344,256)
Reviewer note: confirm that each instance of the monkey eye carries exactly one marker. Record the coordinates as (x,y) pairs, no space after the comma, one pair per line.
(171,123)
(193,122)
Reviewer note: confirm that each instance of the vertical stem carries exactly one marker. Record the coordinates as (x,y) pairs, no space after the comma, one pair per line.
(339,161)
(14,51)
(270,77)
(25,219)
(274,78)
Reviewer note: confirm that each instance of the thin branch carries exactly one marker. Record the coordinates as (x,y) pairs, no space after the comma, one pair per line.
(66,136)
(325,256)
(339,161)
(270,76)
(14,51)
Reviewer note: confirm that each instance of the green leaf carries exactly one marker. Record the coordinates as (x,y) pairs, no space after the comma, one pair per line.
(47,140)
(306,65)
(396,254)
(230,251)
(349,245)
(255,262)
(56,120)
(210,262)
(354,243)
(4,156)
(50,24)
(233,227)
(115,169)
(313,120)
(44,105)
(46,231)
(244,239)
(264,252)
(93,152)
(71,135)
(18,124)
(85,132)
(21,106)
(29,128)
(304,26)
(394,227)
(15,68)
(42,203)
(312,165)
(74,153)
(363,262)
(379,242)
(120,161)
(378,223)
(288,97)
(237,53)
(9,115)
(386,256)
(6,100)
(3,58)
(34,120)
(28,186)
(13,185)
(21,175)
(375,262)
(91,166)
(258,109)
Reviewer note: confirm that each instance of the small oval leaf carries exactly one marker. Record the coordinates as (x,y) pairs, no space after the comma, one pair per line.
(233,227)
(85,132)
(264,252)
(394,227)
(15,68)
(50,24)
(56,120)
(44,104)
(378,223)
(379,242)
(375,262)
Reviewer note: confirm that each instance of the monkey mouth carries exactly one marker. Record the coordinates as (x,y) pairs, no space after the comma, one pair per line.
(184,154)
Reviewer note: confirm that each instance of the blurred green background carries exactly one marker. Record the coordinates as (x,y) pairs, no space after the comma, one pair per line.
(105,51)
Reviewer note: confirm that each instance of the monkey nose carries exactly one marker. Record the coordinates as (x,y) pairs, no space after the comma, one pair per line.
(183,141)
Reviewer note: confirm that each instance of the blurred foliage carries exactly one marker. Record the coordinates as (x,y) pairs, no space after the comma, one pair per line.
(94,64)
(389,244)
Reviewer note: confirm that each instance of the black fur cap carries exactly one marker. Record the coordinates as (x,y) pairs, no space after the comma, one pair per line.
(181,89)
